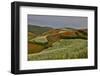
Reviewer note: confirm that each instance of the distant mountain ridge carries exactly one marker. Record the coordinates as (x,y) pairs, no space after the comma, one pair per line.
(38,30)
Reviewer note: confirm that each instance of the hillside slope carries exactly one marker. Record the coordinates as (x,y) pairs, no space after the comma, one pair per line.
(48,43)
(37,29)
(63,49)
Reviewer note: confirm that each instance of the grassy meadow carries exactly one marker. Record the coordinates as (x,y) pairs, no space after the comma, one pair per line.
(46,43)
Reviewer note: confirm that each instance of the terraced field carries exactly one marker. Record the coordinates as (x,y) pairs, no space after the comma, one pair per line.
(63,49)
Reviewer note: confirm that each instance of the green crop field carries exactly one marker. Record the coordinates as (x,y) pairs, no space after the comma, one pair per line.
(63,49)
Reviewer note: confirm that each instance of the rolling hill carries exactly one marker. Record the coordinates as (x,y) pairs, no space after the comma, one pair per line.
(46,43)
(37,29)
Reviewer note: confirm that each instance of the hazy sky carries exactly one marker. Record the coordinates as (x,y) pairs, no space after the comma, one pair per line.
(58,21)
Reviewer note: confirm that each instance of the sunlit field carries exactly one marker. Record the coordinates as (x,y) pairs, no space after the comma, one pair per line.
(63,49)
